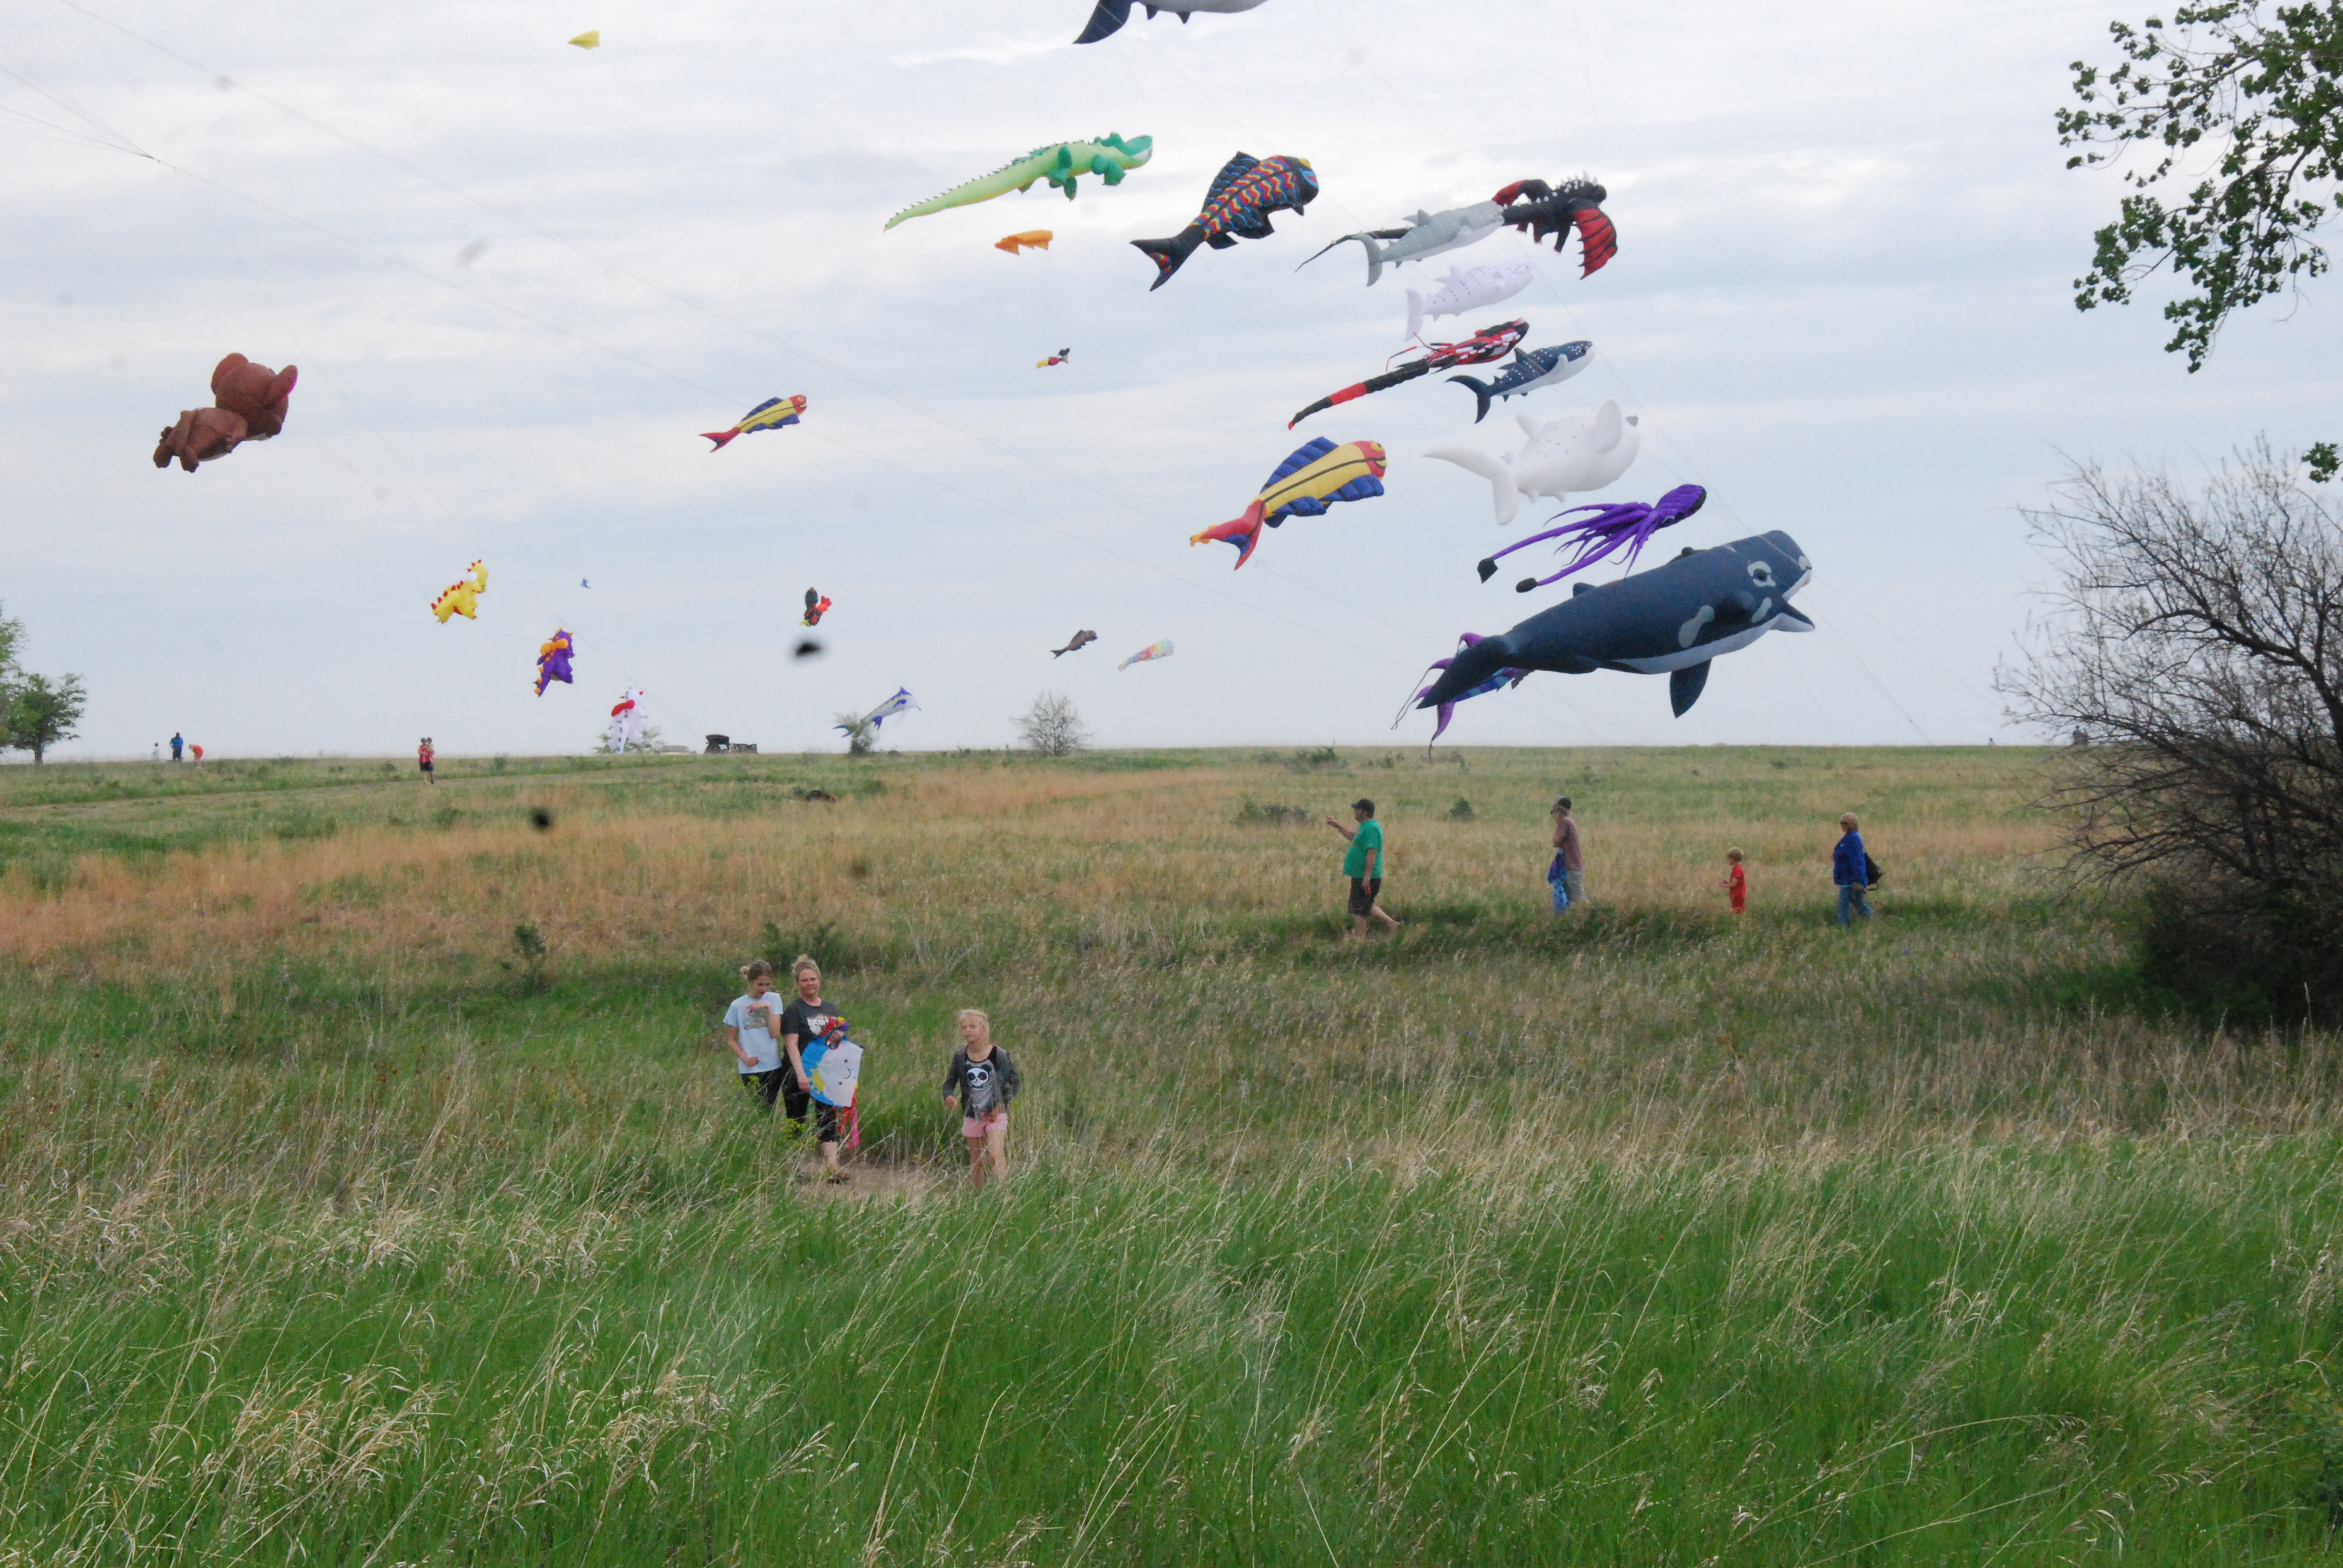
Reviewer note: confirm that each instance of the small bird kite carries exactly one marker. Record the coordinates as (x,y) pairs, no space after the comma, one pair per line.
(1315,475)
(1025,240)
(816,606)
(884,711)
(462,597)
(553,661)
(1059,357)
(772,413)
(1080,639)
(1152,650)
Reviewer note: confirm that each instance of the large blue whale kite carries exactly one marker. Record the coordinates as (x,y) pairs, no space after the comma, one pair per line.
(1671,620)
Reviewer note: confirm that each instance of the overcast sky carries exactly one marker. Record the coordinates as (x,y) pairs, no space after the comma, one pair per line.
(518,278)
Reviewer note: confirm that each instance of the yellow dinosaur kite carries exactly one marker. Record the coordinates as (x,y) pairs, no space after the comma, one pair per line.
(462,597)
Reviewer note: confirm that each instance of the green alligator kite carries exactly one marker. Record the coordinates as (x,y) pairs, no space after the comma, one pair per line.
(1109,157)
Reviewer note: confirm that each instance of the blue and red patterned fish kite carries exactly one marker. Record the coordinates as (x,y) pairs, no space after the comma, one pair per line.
(553,661)
(1243,194)
(772,413)
(1615,525)
(1304,484)
(1491,343)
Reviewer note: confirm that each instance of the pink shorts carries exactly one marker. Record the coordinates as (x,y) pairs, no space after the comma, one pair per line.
(970,1127)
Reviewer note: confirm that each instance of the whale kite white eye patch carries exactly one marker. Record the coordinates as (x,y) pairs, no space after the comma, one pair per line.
(1761,572)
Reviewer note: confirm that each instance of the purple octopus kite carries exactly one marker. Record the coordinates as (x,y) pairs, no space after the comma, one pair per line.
(1615,525)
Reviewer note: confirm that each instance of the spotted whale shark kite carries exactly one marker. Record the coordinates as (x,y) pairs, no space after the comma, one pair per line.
(1671,620)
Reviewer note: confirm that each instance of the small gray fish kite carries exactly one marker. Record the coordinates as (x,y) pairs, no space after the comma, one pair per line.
(1080,639)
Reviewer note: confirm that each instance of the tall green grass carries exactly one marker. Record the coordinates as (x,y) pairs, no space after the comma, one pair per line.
(329,1232)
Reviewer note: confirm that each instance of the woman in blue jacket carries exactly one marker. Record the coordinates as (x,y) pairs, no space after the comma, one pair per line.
(1850,869)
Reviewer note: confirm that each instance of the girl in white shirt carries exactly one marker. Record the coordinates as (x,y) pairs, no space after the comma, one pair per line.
(752,1027)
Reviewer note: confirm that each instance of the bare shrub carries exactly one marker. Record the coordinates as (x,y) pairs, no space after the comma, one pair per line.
(2197,644)
(1051,727)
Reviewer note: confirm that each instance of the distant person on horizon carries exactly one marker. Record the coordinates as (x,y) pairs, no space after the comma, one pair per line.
(197,752)
(804,1021)
(424,757)
(1569,857)
(1850,869)
(1736,882)
(178,744)
(982,1079)
(1363,864)
(752,1027)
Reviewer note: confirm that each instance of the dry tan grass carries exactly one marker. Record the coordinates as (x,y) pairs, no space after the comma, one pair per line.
(1016,846)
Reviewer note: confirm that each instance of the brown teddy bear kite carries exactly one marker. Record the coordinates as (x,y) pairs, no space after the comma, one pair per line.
(250,402)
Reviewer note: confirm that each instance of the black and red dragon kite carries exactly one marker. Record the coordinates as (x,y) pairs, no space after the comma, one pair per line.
(1484,346)
(1538,209)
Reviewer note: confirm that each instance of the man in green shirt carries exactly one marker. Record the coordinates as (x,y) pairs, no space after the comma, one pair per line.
(1363,864)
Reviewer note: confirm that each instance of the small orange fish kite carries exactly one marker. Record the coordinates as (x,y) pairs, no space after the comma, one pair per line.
(1059,357)
(1030,239)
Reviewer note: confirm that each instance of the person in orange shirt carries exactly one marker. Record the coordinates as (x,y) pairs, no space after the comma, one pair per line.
(1736,882)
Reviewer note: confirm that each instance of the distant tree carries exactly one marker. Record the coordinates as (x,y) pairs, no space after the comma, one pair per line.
(860,734)
(2246,98)
(2196,643)
(1051,727)
(42,712)
(12,633)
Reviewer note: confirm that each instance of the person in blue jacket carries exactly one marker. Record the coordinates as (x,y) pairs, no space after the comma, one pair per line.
(1850,869)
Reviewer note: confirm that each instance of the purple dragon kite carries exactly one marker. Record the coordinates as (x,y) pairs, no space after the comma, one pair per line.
(553,661)
(1615,525)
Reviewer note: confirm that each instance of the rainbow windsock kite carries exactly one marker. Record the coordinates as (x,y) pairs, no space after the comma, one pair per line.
(1152,650)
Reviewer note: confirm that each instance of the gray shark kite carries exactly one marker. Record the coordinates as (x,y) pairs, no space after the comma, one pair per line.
(1111,14)
(1531,369)
(1671,620)
(1427,233)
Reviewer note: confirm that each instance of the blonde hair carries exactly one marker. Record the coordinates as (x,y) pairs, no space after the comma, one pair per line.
(759,969)
(1849,819)
(978,1014)
(802,962)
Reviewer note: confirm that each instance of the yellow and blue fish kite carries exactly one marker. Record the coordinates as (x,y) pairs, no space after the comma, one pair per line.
(1315,475)
(770,415)
(1152,650)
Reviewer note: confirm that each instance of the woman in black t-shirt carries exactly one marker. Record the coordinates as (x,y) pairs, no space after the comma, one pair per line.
(804,1021)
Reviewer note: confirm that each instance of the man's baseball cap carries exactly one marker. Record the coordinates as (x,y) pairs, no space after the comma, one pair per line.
(1362,804)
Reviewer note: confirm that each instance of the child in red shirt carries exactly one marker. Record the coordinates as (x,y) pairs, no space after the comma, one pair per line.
(1736,881)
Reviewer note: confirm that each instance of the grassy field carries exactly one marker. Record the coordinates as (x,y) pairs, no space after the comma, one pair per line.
(338,1225)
